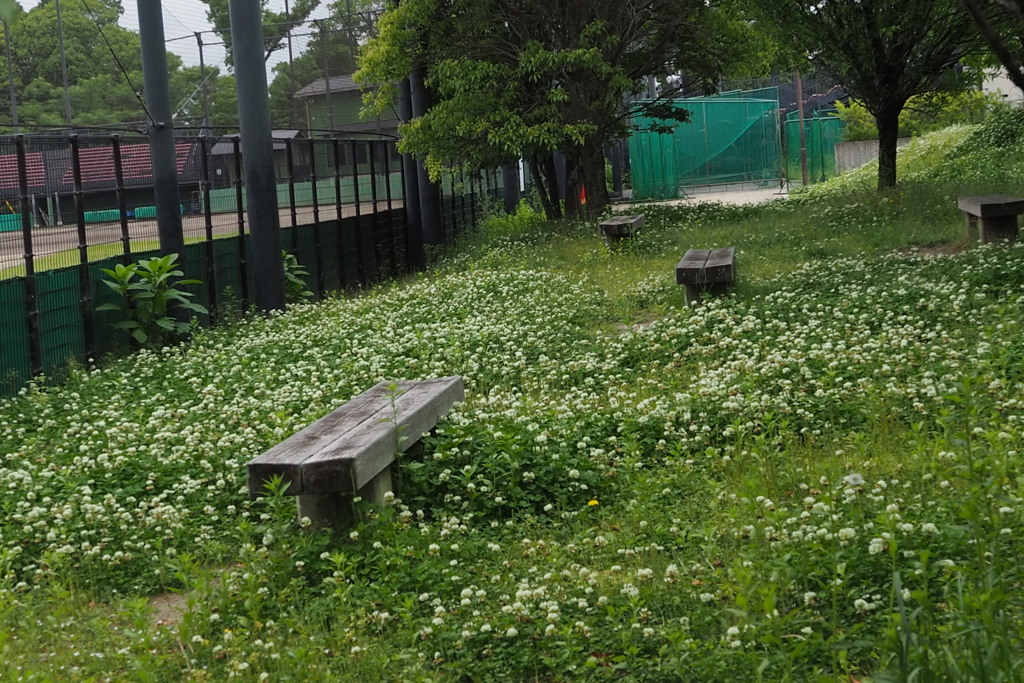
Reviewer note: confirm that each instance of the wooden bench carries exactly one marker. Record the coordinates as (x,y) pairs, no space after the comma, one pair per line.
(618,228)
(706,270)
(349,452)
(995,215)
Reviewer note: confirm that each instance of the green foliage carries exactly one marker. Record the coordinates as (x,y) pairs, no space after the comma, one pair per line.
(514,81)
(152,300)
(295,275)
(100,94)
(814,479)
(883,53)
(924,114)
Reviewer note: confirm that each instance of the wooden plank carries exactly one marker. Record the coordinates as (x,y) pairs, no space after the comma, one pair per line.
(362,442)
(622,225)
(720,265)
(689,267)
(286,458)
(351,463)
(989,205)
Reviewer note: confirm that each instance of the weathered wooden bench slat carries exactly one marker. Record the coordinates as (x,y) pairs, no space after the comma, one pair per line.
(706,268)
(341,452)
(357,459)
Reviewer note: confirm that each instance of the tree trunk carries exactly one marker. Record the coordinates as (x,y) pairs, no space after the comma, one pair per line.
(888,122)
(546,188)
(587,193)
(594,179)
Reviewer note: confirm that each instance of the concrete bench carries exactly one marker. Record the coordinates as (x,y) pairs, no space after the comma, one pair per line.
(995,215)
(618,228)
(706,270)
(349,452)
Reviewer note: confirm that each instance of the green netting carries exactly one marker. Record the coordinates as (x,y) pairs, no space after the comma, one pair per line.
(727,140)
(822,132)
(14,344)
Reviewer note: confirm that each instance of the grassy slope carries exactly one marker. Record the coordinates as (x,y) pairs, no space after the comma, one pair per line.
(813,479)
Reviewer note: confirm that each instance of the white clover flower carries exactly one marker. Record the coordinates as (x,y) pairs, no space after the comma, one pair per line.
(854,479)
(876,546)
(511,632)
(929,528)
(810,597)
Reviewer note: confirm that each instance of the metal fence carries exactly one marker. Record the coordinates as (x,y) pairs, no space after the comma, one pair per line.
(72,206)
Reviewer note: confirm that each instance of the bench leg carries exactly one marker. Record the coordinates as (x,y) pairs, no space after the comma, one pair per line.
(970,227)
(693,295)
(325,509)
(997,228)
(336,509)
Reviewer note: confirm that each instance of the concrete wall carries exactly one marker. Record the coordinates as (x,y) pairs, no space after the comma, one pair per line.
(853,154)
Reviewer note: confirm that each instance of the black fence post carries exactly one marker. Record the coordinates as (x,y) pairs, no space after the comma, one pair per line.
(316,223)
(84,285)
(360,266)
(371,148)
(336,148)
(243,266)
(386,152)
(211,253)
(31,300)
(293,209)
(472,196)
(122,205)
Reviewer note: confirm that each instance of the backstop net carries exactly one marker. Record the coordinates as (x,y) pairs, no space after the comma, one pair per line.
(729,138)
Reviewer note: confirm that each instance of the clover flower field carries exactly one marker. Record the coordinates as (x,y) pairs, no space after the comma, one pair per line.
(816,481)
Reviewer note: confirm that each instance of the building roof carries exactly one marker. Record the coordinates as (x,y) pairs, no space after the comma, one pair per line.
(225,145)
(338,84)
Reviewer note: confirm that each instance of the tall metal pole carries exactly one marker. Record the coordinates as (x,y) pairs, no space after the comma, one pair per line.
(430,198)
(411,186)
(257,153)
(291,66)
(205,84)
(64,64)
(160,127)
(327,77)
(10,79)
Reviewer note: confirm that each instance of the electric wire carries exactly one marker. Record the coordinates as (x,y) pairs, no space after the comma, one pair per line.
(118,61)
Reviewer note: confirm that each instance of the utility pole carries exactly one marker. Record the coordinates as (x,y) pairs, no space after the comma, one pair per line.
(803,134)
(10,79)
(160,127)
(64,64)
(291,66)
(257,153)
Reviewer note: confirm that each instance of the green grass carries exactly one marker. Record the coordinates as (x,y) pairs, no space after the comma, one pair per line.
(814,479)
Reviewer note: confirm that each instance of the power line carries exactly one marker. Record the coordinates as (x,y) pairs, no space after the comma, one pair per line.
(117,60)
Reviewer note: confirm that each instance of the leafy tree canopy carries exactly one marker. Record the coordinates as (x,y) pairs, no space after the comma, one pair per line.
(527,78)
(99,92)
(882,51)
(276,25)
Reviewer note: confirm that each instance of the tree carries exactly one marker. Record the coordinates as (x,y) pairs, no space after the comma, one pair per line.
(276,25)
(882,51)
(529,77)
(101,94)
(1001,23)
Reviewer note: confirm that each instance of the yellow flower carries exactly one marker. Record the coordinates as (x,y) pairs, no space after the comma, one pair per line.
(593,502)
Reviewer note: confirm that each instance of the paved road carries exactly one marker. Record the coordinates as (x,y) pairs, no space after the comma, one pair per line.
(47,241)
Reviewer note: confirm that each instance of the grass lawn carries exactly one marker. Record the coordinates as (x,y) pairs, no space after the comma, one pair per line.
(814,479)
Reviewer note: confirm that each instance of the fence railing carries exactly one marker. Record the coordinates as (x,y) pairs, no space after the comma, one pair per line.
(72,206)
